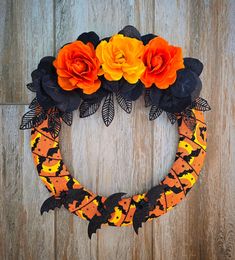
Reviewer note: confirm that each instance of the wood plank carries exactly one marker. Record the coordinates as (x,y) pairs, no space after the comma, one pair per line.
(26,35)
(204,223)
(24,233)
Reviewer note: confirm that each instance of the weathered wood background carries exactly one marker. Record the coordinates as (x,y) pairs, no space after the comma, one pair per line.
(133,153)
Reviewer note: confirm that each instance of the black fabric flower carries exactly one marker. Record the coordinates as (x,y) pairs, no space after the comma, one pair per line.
(48,92)
(183,92)
(130,92)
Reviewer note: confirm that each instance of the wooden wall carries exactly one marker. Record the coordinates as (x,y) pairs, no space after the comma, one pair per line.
(133,153)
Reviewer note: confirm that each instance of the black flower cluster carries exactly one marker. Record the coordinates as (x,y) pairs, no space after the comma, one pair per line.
(175,100)
(183,92)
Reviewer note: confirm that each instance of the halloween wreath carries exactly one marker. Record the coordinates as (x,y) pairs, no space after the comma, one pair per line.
(126,65)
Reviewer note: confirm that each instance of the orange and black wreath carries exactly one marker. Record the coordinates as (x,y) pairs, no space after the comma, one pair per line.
(89,73)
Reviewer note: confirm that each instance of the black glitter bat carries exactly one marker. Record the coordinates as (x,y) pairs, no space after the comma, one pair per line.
(146,205)
(64,199)
(106,209)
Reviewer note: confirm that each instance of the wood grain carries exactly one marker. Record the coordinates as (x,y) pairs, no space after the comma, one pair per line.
(133,153)
(26,35)
(25,234)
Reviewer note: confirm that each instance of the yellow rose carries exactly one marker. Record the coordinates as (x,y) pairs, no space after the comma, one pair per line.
(121,57)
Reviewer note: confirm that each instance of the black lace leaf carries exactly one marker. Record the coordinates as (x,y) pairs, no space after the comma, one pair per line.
(171,117)
(189,119)
(67,117)
(33,118)
(54,123)
(147,99)
(87,109)
(108,109)
(31,87)
(125,104)
(201,104)
(34,104)
(154,112)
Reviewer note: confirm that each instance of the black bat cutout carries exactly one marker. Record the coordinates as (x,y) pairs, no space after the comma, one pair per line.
(145,206)
(65,198)
(50,204)
(105,209)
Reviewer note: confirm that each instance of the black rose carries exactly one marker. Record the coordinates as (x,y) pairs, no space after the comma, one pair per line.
(49,93)
(183,92)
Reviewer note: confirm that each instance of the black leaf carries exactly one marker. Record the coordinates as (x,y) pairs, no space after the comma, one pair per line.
(108,109)
(87,109)
(67,117)
(54,123)
(125,104)
(89,37)
(147,98)
(131,32)
(155,112)
(147,37)
(34,104)
(193,64)
(200,104)
(32,119)
(31,87)
(189,119)
(171,117)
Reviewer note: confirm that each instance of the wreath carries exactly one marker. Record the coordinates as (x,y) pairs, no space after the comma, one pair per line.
(89,72)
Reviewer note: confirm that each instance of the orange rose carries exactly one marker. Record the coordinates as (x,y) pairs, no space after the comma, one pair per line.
(121,57)
(162,62)
(77,67)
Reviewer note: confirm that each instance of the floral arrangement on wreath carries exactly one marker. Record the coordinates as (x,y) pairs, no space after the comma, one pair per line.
(126,65)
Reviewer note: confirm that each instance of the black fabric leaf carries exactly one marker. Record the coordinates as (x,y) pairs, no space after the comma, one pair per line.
(54,123)
(125,104)
(108,109)
(171,117)
(147,37)
(87,109)
(111,86)
(200,104)
(155,95)
(193,64)
(32,118)
(147,99)
(155,112)
(130,31)
(31,87)
(189,119)
(89,37)
(67,117)
(134,93)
